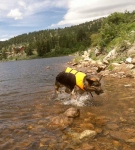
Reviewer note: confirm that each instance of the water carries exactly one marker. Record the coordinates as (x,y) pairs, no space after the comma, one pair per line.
(26,106)
(28,77)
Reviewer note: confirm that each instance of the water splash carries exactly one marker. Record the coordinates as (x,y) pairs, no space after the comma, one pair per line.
(81,100)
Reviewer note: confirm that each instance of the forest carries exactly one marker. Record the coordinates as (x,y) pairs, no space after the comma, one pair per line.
(103,33)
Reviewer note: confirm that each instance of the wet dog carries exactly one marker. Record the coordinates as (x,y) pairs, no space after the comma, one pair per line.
(77,82)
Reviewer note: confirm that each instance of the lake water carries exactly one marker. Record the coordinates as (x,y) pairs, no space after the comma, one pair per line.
(26,88)
(29,78)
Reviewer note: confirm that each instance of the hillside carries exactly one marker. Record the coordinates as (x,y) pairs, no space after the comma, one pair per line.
(115,31)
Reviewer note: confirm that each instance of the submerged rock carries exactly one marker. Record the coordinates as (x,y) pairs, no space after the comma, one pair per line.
(65,119)
(72,112)
(87,133)
(80,136)
(131,140)
(119,135)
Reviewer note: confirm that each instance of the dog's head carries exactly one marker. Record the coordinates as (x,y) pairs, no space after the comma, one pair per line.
(92,84)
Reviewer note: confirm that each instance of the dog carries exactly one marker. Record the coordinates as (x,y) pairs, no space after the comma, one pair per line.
(76,81)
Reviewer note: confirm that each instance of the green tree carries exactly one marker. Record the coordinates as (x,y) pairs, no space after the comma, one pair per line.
(111,28)
(95,37)
(29,50)
(81,35)
(4,54)
(40,48)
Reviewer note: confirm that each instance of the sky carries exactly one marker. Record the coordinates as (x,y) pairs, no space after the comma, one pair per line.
(23,16)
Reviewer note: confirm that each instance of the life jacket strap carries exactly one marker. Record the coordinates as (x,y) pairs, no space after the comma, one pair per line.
(70,70)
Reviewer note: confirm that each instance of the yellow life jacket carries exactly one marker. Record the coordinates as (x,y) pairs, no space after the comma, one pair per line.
(79,76)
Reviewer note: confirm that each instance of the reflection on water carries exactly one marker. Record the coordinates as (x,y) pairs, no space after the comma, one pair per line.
(21,78)
(24,113)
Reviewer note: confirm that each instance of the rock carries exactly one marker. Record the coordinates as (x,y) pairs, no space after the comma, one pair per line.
(60,121)
(87,133)
(131,140)
(124,68)
(105,62)
(122,119)
(120,135)
(87,126)
(101,121)
(87,146)
(99,130)
(85,64)
(117,145)
(131,51)
(69,63)
(115,64)
(87,59)
(133,61)
(133,72)
(128,60)
(74,64)
(47,67)
(105,72)
(113,75)
(132,110)
(127,85)
(111,55)
(86,55)
(79,66)
(112,126)
(7,144)
(99,63)
(130,66)
(64,120)
(93,62)
(80,136)
(72,112)
(101,68)
(97,51)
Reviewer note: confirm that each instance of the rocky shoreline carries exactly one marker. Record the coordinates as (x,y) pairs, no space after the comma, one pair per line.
(106,67)
(94,127)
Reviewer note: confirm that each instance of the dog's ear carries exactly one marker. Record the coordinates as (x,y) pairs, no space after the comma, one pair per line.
(90,80)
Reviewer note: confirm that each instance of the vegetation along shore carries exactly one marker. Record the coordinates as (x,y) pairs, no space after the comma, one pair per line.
(117,31)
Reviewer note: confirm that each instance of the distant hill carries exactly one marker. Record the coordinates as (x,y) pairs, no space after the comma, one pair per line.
(54,42)
(117,30)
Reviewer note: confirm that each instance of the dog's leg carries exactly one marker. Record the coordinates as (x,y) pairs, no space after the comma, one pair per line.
(73,95)
(56,91)
(67,90)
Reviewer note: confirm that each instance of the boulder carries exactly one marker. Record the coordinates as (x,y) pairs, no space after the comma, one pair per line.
(105,62)
(133,72)
(133,61)
(120,135)
(65,119)
(97,51)
(131,51)
(72,112)
(111,55)
(86,55)
(115,64)
(87,133)
(84,134)
(93,62)
(128,60)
